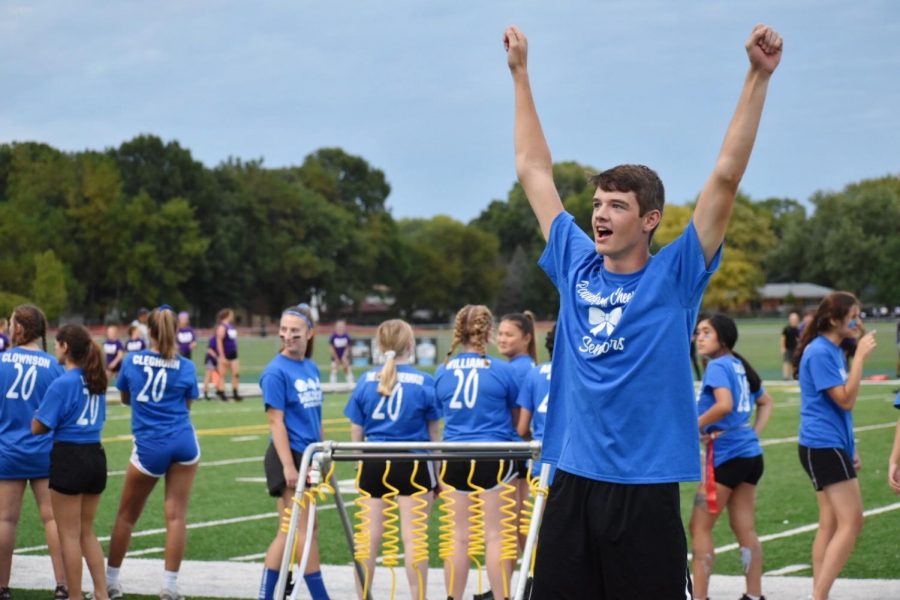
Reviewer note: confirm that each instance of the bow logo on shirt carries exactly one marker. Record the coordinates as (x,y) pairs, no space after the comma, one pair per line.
(604,320)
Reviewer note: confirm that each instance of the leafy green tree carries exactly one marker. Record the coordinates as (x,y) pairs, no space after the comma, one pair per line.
(49,287)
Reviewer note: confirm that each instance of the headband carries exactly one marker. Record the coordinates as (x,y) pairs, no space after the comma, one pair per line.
(296,312)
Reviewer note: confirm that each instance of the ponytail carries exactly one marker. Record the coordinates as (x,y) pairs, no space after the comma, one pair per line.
(753,377)
(30,324)
(163,329)
(395,338)
(85,354)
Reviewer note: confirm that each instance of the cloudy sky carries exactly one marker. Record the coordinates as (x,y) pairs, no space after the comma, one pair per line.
(420,88)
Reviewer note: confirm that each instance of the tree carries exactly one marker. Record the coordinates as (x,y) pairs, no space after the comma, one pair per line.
(49,288)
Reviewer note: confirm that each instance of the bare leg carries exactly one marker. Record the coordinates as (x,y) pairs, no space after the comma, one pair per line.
(276,548)
(741,515)
(376,529)
(41,490)
(456,570)
(90,546)
(416,574)
(824,533)
(702,546)
(11,493)
(846,503)
(492,527)
(135,492)
(179,479)
(67,509)
(235,376)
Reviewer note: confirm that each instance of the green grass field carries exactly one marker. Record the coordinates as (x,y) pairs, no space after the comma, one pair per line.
(232,518)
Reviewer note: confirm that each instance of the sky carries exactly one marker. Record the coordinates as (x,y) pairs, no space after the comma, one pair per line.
(421,90)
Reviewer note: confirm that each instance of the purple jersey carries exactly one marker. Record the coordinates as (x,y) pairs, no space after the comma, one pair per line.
(4,342)
(135,345)
(111,349)
(185,337)
(229,342)
(340,343)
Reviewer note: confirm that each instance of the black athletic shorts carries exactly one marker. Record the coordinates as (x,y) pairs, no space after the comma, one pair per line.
(521,469)
(485,476)
(77,468)
(611,541)
(275,470)
(186,354)
(736,471)
(231,355)
(826,466)
(399,477)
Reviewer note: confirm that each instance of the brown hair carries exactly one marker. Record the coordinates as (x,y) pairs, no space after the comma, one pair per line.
(306,311)
(82,351)
(643,181)
(525,322)
(472,328)
(223,314)
(394,335)
(31,324)
(163,328)
(834,306)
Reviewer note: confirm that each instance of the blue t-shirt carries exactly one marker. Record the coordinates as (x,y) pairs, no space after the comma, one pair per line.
(401,417)
(823,424)
(160,390)
(624,408)
(73,413)
(738,438)
(522,366)
(534,395)
(293,387)
(477,394)
(25,376)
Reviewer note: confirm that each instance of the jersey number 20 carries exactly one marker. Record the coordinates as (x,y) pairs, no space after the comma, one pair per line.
(467,385)
(393,404)
(27,378)
(155,384)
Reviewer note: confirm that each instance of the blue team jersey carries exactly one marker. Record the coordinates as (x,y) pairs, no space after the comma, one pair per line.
(293,387)
(477,394)
(738,438)
(401,417)
(160,390)
(72,411)
(624,408)
(534,396)
(522,366)
(823,424)
(25,376)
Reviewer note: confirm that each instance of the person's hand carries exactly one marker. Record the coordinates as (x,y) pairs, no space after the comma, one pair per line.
(865,345)
(516,45)
(764,48)
(894,477)
(290,476)
(857,462)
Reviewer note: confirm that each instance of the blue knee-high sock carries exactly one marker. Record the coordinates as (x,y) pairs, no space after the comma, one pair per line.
(267,584)
(316,586)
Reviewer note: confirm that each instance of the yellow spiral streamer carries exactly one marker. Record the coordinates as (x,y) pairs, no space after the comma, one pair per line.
(476,526)
(509,541)
(362,538)
(391,536)
(447,543)
(419,526)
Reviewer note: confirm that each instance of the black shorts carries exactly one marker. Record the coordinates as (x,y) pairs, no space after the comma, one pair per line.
(77,468)
(736,471)
(275,470)
(826,466)
(400,477)
(521,468)
(186,354)
(231,355)
(487,474)
(610,541)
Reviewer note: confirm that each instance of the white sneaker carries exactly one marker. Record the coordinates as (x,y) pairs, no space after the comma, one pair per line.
(114,591)
(167,594)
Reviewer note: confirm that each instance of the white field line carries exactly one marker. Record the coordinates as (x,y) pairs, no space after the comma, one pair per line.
(201,525)
(212,463)
(806,528)
(146,551)
(250,479)
(787,570)
(245,438)
(884,397)
(787,440)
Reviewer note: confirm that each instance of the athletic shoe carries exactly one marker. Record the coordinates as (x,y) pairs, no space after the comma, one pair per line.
(166,594)
(746,597)
(237,397)
(61,593)
(221,395)
(114,591)
(5,593)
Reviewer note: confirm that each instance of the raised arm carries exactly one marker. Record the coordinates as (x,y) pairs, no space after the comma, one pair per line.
(534,165)
(717,198)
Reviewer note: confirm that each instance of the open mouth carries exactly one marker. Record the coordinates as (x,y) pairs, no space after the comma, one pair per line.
(602,233)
